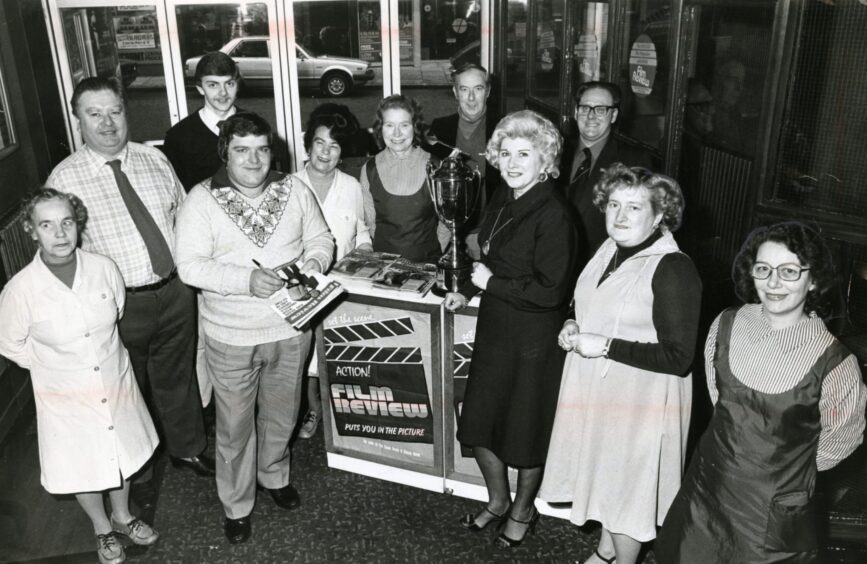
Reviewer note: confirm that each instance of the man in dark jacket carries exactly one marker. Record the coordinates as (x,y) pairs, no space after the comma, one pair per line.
(468,130)
(597,106)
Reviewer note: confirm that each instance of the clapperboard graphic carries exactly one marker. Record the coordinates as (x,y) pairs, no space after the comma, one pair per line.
(378,391)
(461,356)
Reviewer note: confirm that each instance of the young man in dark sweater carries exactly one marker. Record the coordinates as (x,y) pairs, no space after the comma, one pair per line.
(191,145)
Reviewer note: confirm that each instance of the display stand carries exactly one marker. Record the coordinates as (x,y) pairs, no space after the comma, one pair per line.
(379,348)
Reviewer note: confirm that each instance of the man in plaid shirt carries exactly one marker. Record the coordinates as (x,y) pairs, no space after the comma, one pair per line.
(132,196)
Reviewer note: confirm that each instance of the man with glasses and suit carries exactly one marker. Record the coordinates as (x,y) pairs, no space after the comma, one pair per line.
(597,106)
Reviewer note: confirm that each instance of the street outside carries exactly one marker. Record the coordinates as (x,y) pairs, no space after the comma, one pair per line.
(149,114)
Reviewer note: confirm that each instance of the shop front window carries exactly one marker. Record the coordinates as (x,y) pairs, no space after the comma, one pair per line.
(122,42)
(241,31)
(436,37)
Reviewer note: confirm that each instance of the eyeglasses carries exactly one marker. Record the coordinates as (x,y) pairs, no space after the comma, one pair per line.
(787,272)
(598,111)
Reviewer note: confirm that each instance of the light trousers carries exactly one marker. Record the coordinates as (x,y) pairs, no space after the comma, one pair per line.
(253,445)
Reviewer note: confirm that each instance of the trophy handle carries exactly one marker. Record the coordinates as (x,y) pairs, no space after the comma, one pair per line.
(431,188)
(477,193)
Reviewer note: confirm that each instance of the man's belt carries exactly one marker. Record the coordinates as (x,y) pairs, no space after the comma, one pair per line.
(155,285)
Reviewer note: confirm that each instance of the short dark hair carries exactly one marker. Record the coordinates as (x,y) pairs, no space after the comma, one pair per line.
(341,124)
(44,194)
(610,87)
(465,67)
(216,63)
(812,252)
(401,102)
(666,196)
(97,84)
(242,124)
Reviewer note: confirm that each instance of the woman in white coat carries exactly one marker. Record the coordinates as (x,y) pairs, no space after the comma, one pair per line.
(339,196)
(59,320)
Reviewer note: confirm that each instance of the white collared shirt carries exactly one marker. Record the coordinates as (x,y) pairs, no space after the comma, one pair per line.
(210,119)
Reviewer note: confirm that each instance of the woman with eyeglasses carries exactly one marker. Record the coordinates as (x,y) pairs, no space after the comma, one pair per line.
(619,439)
(789,401)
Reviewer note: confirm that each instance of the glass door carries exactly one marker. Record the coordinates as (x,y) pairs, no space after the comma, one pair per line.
(118,38)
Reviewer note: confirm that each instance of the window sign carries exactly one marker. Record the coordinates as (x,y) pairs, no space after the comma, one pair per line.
(587,57)
(642,66)
(369,36)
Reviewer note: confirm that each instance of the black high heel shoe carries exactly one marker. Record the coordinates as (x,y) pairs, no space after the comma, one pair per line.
(503,541)
(469,520)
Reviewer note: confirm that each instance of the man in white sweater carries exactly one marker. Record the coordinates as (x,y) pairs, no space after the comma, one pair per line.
(231,229)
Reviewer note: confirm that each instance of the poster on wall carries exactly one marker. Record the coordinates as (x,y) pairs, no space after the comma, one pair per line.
(369,35)
(378,361)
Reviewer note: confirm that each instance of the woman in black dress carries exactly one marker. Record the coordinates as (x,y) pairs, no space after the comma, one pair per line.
(530,244)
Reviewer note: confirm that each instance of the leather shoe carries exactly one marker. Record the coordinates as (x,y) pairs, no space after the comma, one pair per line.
(286,497)
(237,530)
(203,465)
(144,495)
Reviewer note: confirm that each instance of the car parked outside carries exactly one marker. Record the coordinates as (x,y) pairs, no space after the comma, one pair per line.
(334,76)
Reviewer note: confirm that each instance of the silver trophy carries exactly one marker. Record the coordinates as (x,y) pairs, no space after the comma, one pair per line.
(454,188)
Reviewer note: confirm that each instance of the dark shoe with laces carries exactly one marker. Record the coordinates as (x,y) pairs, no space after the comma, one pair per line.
(202,464)
(136,530)
(286,497)
(109,550)
(237,530)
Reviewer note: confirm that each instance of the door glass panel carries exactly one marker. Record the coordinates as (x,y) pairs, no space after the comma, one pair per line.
(122,42)
(590,44)
(239,30)
(821,163)
(727,51)
(644,70)
(339,58)
(515,75)
(436,36)
(548,52)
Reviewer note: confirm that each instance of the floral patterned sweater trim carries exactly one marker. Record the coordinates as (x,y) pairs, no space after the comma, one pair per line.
(258,224)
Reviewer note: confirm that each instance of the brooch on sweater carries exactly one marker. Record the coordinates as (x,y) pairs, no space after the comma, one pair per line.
(258,224)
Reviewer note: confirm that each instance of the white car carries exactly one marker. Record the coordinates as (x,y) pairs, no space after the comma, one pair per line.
(335,76)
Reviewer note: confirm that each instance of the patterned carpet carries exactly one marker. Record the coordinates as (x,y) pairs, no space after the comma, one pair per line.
(343,518)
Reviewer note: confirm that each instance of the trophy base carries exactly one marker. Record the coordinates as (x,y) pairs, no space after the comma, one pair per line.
(450,278)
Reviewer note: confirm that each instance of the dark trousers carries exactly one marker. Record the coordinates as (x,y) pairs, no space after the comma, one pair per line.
(159,331)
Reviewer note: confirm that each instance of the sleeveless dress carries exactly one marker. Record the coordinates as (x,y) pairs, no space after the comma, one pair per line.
(619,438)
(406,225)
(748,494)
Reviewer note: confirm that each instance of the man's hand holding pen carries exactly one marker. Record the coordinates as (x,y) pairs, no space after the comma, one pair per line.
(264,281)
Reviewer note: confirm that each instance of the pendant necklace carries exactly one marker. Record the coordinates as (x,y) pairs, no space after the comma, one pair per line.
(486,247)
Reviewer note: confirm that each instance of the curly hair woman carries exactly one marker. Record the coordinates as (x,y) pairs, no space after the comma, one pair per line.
(788,402)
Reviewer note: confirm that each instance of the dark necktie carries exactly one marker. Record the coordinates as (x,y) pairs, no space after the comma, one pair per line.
(584,165)
(158,250)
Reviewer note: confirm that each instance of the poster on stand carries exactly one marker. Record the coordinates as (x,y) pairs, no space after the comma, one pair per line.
(380,365)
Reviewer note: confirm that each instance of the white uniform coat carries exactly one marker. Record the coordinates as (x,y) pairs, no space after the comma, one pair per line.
(93,425)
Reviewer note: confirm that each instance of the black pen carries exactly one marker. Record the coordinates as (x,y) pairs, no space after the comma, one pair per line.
(256,262)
